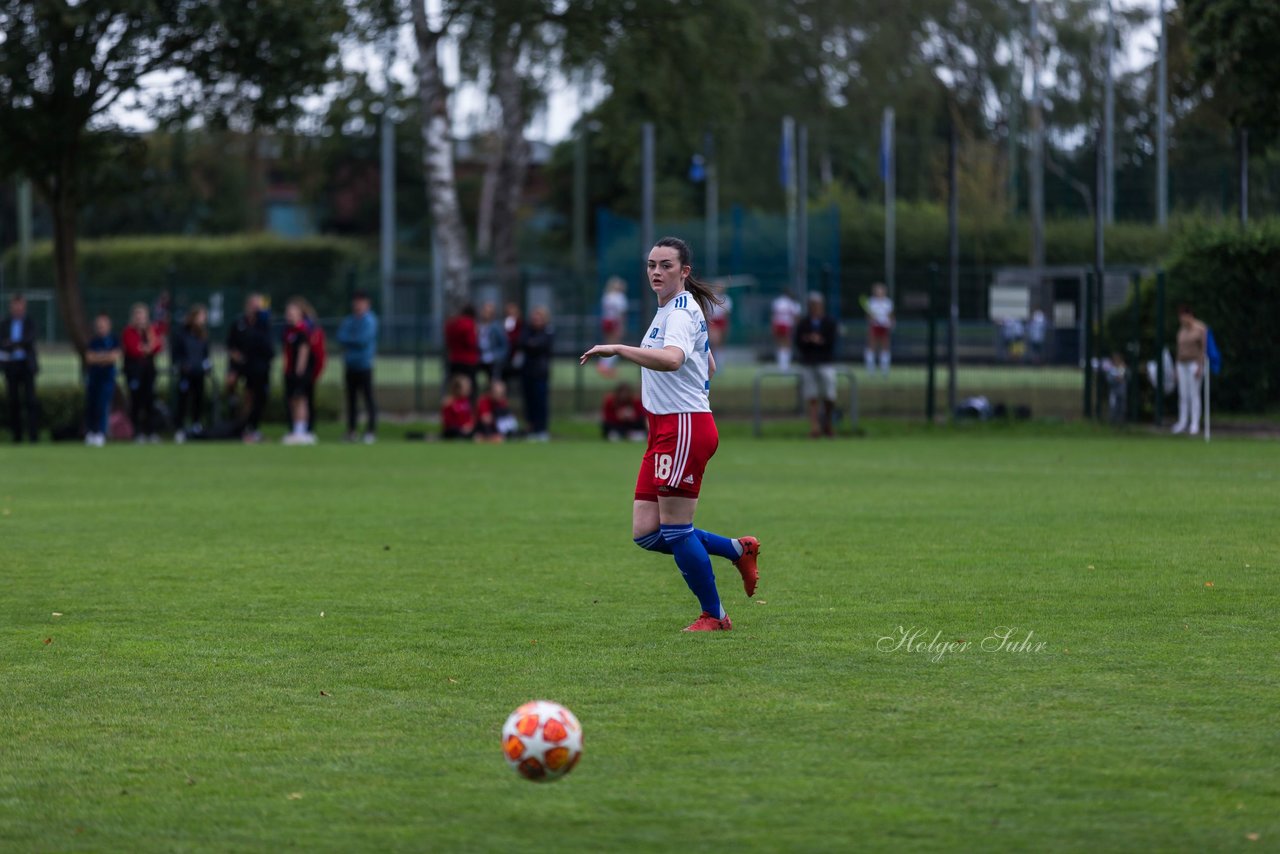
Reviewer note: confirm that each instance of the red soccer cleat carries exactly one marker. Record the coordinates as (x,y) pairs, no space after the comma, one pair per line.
(747,564)
(708,623)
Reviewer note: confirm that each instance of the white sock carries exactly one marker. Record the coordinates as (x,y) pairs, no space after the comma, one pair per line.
(784,359)
(722,614)
(299,428)
(737,544)
(870,357)
(884,361)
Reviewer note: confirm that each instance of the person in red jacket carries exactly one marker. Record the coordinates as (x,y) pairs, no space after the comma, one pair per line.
(462,344)
(142,341)
(303,362)
(457,417)
(623,416)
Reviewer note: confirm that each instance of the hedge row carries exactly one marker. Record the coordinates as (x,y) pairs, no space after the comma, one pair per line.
(320,268)
(921,237)
(1230,277)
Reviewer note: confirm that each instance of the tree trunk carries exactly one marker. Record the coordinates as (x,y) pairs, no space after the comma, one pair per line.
(437,157)
(509,89)
(65,212)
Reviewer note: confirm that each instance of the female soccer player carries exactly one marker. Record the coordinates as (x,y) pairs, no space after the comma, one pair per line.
(677,366)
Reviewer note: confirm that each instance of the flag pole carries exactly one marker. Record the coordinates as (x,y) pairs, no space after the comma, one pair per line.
(1206,398)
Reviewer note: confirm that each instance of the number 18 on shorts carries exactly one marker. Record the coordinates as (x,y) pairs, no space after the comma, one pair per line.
(680,445)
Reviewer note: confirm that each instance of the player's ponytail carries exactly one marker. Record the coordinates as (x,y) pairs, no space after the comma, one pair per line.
(702,292)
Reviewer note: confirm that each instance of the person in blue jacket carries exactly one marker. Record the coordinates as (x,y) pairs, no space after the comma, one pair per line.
(358,336)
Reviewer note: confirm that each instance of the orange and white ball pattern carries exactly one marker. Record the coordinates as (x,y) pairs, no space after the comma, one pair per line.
(542,741)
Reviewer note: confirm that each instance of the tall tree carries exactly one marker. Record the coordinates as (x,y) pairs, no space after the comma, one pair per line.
(1234,46)
(64,65)
(437,155)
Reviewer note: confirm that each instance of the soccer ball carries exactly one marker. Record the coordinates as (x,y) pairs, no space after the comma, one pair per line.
(542,741)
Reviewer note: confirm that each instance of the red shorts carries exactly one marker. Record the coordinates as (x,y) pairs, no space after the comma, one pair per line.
(610,326)
(781,330)
(879,334)
(721,323)
(680,445)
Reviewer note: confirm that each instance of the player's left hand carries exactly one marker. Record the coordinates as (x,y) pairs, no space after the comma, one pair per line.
(599,350)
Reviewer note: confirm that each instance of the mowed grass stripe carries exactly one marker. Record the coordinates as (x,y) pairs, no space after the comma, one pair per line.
(179,703)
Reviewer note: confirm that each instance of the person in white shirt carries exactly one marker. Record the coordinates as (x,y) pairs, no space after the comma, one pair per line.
(879,324)
(783,314)
(676,368)
(613,314)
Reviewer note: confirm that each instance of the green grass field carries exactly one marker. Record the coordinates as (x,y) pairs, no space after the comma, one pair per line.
(266,648)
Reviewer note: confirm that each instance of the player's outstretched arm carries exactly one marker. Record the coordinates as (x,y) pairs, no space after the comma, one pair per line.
(655,359)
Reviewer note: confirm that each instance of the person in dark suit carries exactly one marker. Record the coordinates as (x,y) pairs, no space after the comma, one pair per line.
(18,356)
(536,343)
(816,338)
(249,355)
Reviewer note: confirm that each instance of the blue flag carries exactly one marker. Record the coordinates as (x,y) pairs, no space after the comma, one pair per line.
(1212,353)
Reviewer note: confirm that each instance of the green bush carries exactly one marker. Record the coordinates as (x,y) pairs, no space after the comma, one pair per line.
(320,268)
(1230,277)
(984,240)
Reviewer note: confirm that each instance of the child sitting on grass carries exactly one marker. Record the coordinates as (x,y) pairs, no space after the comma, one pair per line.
(457,418)
(494,419)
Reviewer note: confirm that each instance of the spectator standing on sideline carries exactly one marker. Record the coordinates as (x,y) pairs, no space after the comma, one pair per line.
(879,325)
(623,415)
(816,350)
(249,355)
(142,342)
(189,352)
(100,359)
(457,416)
(301,369)
(162,313)
(495,422)
(358,336)
(1192,343)
(513,324)
(536,342)
(782,316)
(462,344)
(319,357)
(1036,329)
(1117,375)
(492,335)
(613,315)
(18,356)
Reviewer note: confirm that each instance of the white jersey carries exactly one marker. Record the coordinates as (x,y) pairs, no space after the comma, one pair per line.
(784,311)
(679,323)
(613,305)
(880,310)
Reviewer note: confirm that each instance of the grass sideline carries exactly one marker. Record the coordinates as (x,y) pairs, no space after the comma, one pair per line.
(191,696)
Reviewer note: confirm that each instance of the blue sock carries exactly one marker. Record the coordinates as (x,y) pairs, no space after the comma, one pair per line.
(714,544)
(718,545)
(695,565)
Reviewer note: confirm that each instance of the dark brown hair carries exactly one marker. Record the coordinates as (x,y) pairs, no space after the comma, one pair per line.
(701,291)
(201,332)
